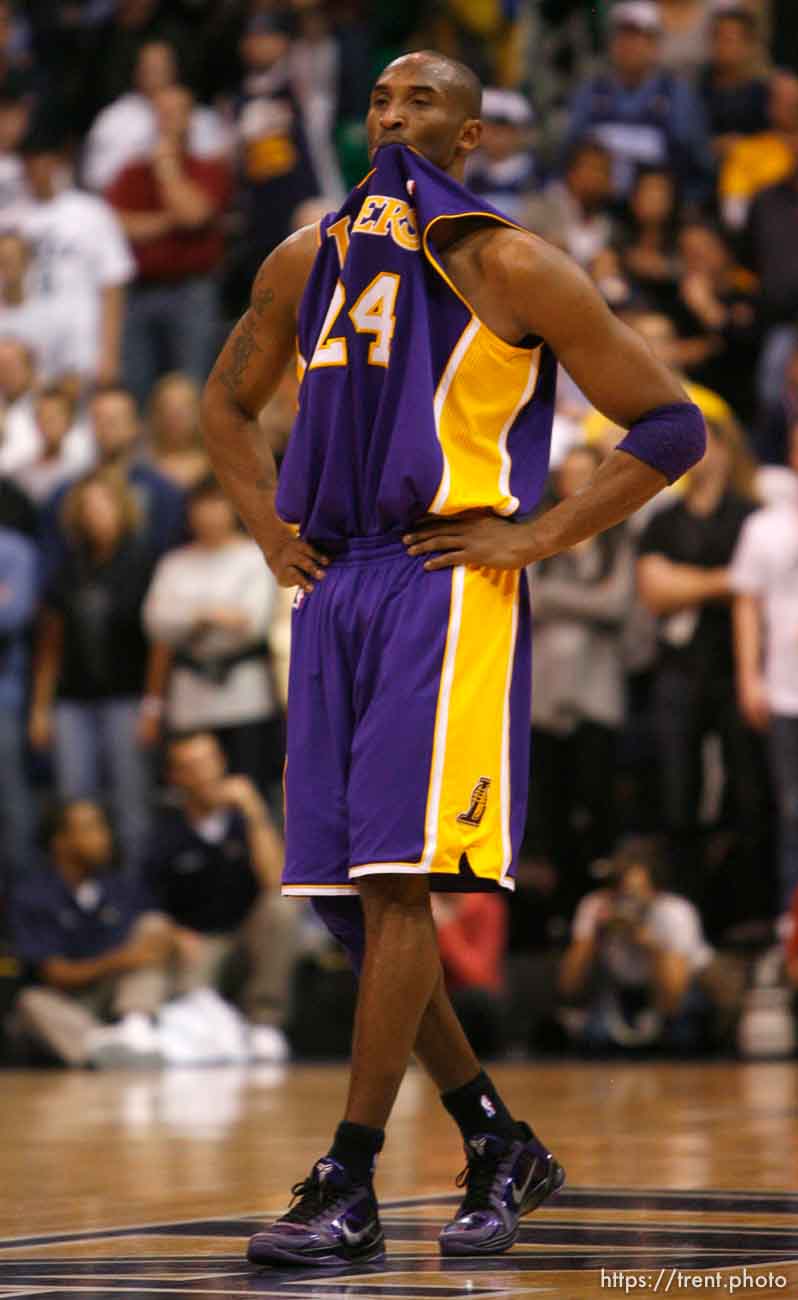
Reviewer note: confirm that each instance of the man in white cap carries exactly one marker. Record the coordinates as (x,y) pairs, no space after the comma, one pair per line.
(503,168)
(643,114)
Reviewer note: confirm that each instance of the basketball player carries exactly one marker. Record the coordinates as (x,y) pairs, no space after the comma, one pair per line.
(427,327)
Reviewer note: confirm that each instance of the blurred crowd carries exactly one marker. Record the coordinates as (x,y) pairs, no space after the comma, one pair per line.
(152,152)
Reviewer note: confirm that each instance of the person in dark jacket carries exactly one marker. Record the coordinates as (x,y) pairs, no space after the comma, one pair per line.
(91,654)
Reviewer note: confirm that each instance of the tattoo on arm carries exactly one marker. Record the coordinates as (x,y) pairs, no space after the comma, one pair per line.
(244,341)
(243,344)
(261,299)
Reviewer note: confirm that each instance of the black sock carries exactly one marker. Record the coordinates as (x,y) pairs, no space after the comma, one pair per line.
(356,1147)
(478,1108)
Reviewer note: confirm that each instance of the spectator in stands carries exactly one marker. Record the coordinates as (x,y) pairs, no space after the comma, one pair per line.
(753,162)
(81,254)
(642,113)
(779,414)
(275,167)
(66,448)
(114,425)
(91,945)
(638,962)
(769,249)
(580,600)
(659,331)
(170,206)
(502,170)
(648,250)
(536,925)
(208,613)
(574,212)
(14,122)
(764,578)
(112,48)
(18,595)
(731,84)
(17,511)
(44,323)
(717,310)
(214,868)
(127,129)
(91,654)
(472,937)
(317,69)
(177,450)
(685,35)
(684,579)
(17,70)
(20,443)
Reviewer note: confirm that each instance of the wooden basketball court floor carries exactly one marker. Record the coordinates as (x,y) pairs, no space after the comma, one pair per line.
(682,1179)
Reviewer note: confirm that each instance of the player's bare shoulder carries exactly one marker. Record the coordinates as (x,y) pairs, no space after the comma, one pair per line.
(500,270)
(541,290)
(517,261)
(260,346)
(286,270)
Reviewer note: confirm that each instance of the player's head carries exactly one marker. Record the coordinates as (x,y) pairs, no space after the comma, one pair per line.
(431,102)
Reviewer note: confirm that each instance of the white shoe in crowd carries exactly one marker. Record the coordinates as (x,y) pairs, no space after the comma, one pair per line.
(134,1041)
(266,1043)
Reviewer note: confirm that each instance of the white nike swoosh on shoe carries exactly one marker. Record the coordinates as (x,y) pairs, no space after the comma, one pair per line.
(357,1238)
(518,1193)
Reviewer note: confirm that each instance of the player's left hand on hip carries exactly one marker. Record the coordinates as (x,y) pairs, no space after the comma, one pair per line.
(481,541)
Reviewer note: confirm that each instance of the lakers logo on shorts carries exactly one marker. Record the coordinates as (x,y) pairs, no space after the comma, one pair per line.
(479,802)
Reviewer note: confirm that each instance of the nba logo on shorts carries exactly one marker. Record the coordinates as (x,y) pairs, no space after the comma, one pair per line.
(487,1105)
(479,802)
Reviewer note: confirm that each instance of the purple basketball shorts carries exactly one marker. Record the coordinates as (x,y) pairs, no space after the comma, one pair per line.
(408,724)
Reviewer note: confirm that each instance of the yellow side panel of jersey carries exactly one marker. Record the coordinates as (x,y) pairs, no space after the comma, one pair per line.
(484,387)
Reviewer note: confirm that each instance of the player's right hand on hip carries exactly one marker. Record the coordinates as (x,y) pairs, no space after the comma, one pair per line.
(295,563)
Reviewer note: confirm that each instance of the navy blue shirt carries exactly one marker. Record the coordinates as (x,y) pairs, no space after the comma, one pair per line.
(208,886)
(735,110)
(49,920)
(659,123)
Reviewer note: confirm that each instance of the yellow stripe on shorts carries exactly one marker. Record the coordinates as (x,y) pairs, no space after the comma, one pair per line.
(468,803)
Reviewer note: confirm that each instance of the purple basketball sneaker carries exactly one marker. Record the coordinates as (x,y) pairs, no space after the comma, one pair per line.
(503,1180)
(334,1221)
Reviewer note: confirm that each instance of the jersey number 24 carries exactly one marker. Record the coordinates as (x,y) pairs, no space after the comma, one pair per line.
(372,313)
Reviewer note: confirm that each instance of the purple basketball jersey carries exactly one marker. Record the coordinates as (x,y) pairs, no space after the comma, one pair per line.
(408,404)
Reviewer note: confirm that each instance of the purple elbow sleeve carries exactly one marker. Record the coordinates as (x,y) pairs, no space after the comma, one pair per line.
(670,439)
